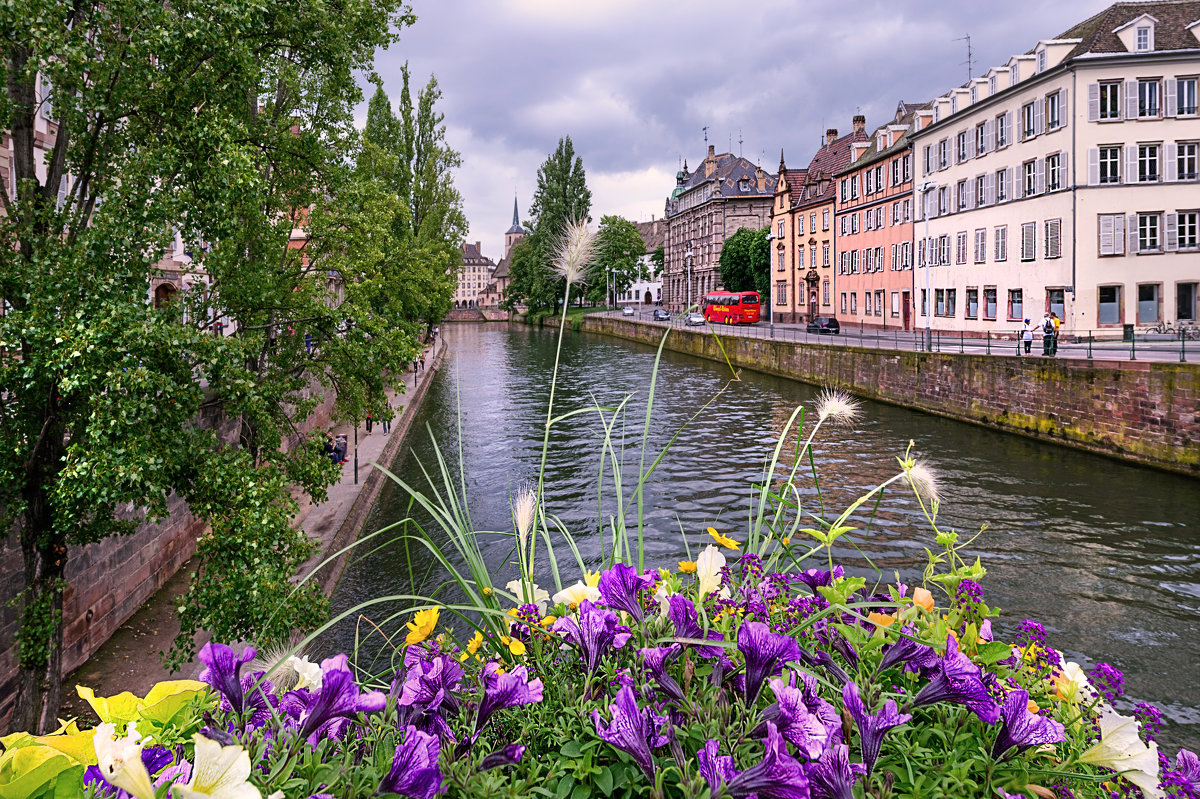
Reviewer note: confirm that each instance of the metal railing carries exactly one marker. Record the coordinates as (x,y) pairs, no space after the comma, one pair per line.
(1114,343)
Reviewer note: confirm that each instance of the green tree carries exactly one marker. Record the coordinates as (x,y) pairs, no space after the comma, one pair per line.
(561,195)
(226,124)
(745,262)
(618,261)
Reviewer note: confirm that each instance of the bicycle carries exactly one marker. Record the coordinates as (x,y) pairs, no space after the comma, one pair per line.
(1189,331)
(1161,327)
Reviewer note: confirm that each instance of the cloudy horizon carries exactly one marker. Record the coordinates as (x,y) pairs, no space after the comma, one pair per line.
(634,84)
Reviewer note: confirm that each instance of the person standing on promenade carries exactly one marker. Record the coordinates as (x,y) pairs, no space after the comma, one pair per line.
(1057,328)
(1047,335)
(1027,336)
(386,421)
(422,362)
(368,423)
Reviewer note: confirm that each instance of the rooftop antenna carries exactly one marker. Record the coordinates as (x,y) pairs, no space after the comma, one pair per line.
(970,62)
(739,142)
(705,129)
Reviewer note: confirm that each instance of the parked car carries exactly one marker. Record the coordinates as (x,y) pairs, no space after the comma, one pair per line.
(661,315)
(824,325)
(627,310)
(694,319)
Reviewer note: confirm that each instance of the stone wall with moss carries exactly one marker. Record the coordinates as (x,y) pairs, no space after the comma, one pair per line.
(1142,411)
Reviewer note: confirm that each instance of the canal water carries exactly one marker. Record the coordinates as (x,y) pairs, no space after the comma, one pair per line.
(1106,556)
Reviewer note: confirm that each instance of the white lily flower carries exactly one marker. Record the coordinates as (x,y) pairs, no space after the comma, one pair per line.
(572,595)
(708,570)
(1121,749)
(120,760)
(523,590)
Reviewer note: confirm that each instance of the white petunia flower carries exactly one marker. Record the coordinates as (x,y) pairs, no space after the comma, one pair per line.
(308,674)
(708,570)
(220,772)
(572,595)
(1121,749)
(120,760)
(524,590)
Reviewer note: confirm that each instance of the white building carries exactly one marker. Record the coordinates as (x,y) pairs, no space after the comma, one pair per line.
(1065,180)
(647,292)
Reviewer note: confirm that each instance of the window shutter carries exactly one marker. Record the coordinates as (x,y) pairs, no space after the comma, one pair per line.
(971,144)
(1008,182)
(1065,181)
(1062,108)
(1028,241)
(1039,181)
(1172,240)
(1131,164)
(61,200)
(971,199)
(1118,234)
(1008,127)
(1131,99)
(989,188)
(1172,164)
(1039,117)
(1094,166)
(1093,102)
(1053,238)
(1133,233)
(989,135)
(1170,93)
(1107,227)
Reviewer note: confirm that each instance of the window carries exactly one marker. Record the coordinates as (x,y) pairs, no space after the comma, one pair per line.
(1002,130)
(943,250)
(943,153)
(924,302)
(974,94)
(824,255)
(1148,298)
(950,301)
(980,245)
(1110,305)
(1053,117)
(1144,38)
(1110,100)
(879,302)
(843,302)
(1148,99)
(1053,238)
(1112,234)
(908,210)
(1028,121)
(1041,60)
(854,303)
(812,222)
(866,303)
(812,256)
(1053,172)
(824,220)
(781,228)
(781,292)
(960,248)
(1185,301)
(1149,237)
(1185,160)
(1147,163)
(1185,90)
(939,302)
(993,84)
(896,303)
(1028,241)
(1056,299)
(960,192)
(906,165)
(854,222)
(1016,304)
(943,200)
(960,146)
(781,266)
(1110,165)
(980,139)
(989,303)
(1014,75)
(1002,186)
(1186,223)
(825,292)
(1029,181)
(972,303)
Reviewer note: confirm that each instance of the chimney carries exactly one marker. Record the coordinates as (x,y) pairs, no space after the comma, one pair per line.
(710,161)
(830,135)
(860,123)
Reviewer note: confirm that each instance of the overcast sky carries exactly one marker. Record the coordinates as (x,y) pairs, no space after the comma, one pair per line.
(633,83)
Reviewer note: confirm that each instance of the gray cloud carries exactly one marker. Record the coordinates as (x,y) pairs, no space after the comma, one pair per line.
(633,83)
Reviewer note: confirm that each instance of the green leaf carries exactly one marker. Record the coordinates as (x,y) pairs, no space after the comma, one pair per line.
(604,781)
(571,749)
(565,786)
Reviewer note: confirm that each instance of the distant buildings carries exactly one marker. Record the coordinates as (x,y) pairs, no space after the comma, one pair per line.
(648,292)
(473,275)
(726,193)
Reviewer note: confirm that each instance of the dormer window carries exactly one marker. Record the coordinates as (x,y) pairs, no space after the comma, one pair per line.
(1041,60)
(1145,38)
(1014,75)
(954,104)
(993,84)
(974,94)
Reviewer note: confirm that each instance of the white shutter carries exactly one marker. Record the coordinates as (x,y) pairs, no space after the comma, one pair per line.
(971,144)
(61,199)
(1065,181)
(1131,164)
(1131,99)
(989,188)
(1118,234)
(1062,108)
(1107,227)
(1169,91)
(989,135)
(1133,233)
(1008,117)
(1039,117)
(1094,166)
(1172,240)
(1093,102)
(1008,182)
(972,200)
(1039,182)
(1172,164)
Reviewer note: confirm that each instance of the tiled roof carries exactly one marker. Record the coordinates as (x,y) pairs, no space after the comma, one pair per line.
(502,268)
(795,180)
(472,254)
(730,171)
(873,153)
(829,160)
(653,234)
(1170,33)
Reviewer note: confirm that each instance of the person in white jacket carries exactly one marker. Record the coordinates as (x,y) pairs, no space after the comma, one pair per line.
(1027,336)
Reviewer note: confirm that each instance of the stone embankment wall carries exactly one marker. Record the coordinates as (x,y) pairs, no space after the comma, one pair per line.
(1141,411)
(476,315)
(109,580)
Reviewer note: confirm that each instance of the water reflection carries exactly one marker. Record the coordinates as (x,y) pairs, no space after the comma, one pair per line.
(1107,556)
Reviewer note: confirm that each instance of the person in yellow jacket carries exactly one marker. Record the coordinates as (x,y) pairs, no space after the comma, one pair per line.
(1057,327)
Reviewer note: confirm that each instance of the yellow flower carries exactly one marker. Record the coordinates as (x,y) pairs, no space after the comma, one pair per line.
(475,642)
(546,622)
(687,566)
(785,541)
(421,626)
(724,541)
(487,590)
(881,619)
(591,579)
(515,645)
(664,573)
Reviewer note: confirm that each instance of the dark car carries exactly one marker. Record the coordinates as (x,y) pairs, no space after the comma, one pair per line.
(824,325)
(661,315)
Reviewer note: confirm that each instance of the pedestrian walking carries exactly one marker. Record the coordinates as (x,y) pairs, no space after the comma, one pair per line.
(1057,328)
(368,423)
(422,362)
(386,421)
(1047,335)
(1027,336)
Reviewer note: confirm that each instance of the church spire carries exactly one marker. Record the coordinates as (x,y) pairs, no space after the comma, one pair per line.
(516,219)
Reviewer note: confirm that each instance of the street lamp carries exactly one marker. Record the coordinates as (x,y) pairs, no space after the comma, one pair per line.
(926,187)
(688,255)
(607,288)
(770,286)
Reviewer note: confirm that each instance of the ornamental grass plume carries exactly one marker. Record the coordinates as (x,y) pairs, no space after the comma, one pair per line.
(837,406)
(574,251)
(524,510)
(924,480)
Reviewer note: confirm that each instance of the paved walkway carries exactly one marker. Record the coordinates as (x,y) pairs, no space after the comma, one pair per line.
(130,659)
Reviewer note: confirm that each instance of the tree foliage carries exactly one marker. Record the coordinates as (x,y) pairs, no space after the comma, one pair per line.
(745,262)
(618,262)
(225,127)
(561,195)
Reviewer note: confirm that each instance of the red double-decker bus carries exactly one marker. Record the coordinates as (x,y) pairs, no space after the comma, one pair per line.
(732,307)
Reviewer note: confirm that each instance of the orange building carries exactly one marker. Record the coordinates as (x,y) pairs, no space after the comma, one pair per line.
(874,209)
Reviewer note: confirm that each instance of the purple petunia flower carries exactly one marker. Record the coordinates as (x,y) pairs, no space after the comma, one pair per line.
(427,695)
(1023,729)
(656,660)
(778,776)
(912,654)
(765,652)
(1187,764)
(507,756)
(682,614)
(815,578)
(633,730)
(826,661)
(829,716)
(833,776)
(505,690)
(415,771)
(790,714)
(716,769)
(324,713)
(595,631)
(871,727)
(956,679)
(620,588)
(224,672)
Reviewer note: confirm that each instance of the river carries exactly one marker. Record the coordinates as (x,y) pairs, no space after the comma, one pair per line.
(1105,555)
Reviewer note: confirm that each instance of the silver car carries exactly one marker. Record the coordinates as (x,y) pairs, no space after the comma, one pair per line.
(694,319)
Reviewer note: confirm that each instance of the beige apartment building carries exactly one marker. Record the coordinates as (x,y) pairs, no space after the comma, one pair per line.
(1065,180)
(474,275)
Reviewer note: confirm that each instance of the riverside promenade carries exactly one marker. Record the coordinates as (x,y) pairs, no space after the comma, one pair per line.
(130,661)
